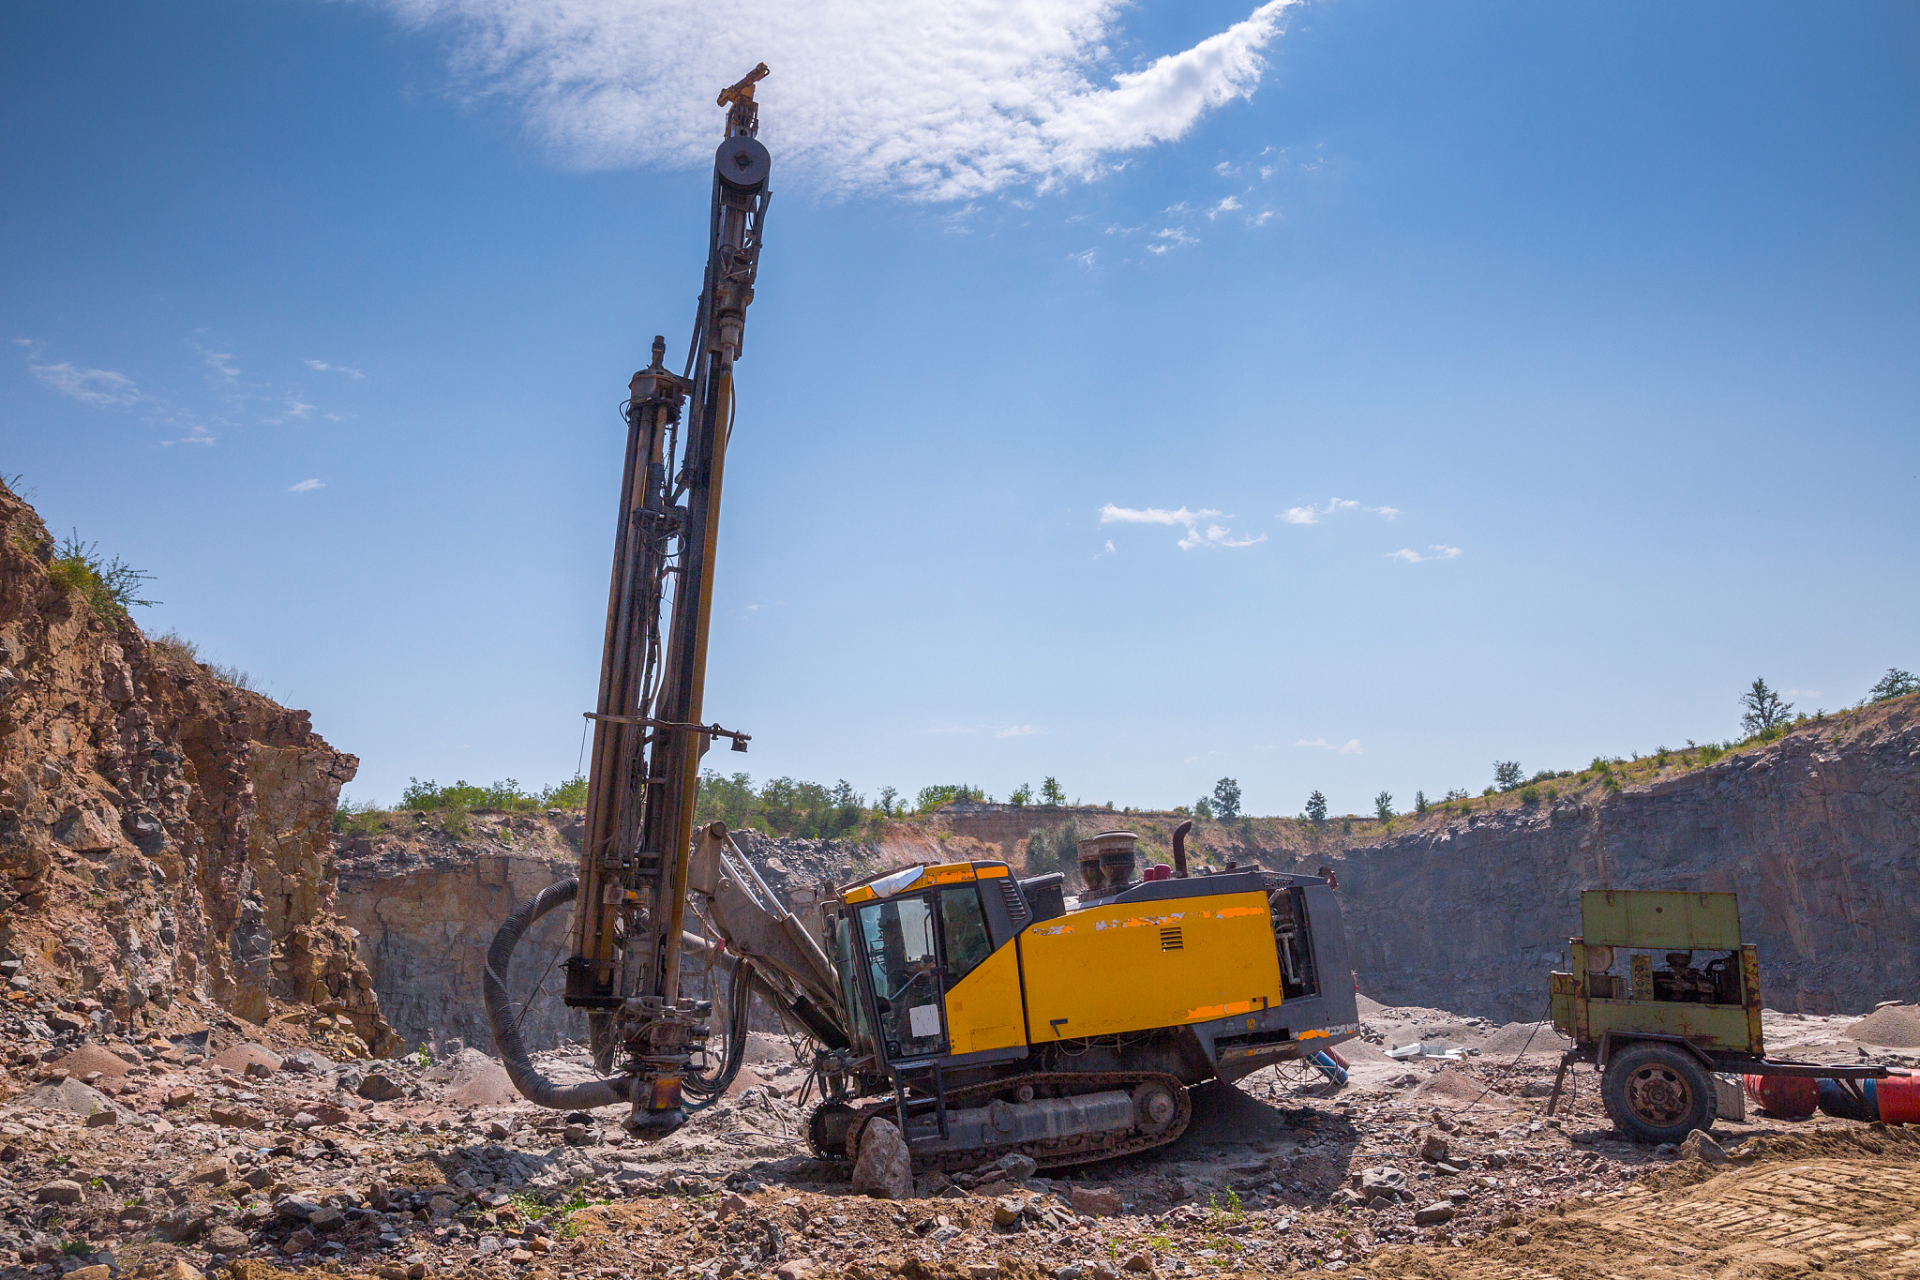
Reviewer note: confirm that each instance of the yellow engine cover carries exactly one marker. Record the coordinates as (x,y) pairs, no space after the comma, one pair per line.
(1139,966)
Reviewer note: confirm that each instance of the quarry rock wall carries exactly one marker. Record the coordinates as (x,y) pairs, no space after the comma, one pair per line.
(1819,834)
(163,833)
(426,908)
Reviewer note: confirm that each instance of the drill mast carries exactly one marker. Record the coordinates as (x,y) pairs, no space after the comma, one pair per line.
(647,735)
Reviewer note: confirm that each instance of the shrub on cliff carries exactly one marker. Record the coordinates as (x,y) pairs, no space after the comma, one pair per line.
(108,585)
(1767,714)
(1895,684)
(782,807)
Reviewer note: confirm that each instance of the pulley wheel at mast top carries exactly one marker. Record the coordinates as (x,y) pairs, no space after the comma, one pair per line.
(742,163)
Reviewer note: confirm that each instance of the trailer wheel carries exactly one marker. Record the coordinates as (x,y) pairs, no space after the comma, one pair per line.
(1656,1093)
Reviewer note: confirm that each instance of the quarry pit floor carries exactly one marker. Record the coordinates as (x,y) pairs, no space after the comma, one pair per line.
(1438,1165)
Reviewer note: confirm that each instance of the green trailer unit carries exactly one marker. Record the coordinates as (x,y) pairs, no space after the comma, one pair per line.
(1662,993)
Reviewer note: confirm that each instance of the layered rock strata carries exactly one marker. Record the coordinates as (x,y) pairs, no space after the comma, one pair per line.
(164,835)
(426,905)
(1818,832)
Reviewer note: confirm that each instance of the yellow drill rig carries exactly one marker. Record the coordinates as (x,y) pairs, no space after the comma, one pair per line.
(981,1013)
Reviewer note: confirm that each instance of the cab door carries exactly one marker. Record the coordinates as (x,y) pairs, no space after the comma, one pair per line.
(900,940)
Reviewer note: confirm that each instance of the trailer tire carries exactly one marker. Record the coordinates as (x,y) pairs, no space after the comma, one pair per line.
(1658,1093)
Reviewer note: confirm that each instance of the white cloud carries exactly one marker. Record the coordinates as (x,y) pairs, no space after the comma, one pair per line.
(1351,747)
(1018,731)
(306,486)
(1311,514)
(1226,205)
(196,434)
(1438,551)
(937,101)
(1217,537)
(321,366)
(221,362)
(1170,238)
(101,388)
(1111,514)
(1084,257)
(1212,535)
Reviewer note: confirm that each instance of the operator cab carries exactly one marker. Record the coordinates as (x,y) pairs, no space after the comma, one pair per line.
(903,940)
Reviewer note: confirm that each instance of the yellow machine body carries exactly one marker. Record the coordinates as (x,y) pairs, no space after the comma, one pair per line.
(1201,960)
(1107,970)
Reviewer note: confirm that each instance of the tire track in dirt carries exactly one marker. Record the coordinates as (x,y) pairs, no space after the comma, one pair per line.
(1831,1204)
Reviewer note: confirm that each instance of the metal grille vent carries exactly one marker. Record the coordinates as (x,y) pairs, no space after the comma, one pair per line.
(1170,940)
(1016,902)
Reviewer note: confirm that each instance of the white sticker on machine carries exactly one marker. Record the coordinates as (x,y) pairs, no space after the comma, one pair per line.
(923,1020)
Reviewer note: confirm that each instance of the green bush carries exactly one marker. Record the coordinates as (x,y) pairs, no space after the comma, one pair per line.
(1058,851)
(1530,794)
(108,585)
(783,806)
(932,798)
(1895,684)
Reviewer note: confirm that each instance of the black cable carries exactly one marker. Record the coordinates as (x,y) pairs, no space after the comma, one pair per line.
(1516,1059)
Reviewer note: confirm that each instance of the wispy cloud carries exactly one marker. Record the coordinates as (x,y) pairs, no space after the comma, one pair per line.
(100,388)
(1227,205)
(1313,514)
(321,366)
(1018,731)
(196,434)
(306,486)
(1201,528)
(221,362)
(184,418)
(1351,747)
(1084,257)
(934,102)
(1170,238)
(1111,514)
(1438,551)
(294,410)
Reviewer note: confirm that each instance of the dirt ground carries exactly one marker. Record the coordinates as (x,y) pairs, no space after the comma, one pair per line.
(1827,1203)
(1440,1162)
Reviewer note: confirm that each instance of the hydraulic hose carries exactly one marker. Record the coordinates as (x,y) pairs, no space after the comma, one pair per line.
(506,1033)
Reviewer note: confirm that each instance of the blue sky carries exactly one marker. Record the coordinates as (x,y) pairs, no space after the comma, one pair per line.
(1342,396)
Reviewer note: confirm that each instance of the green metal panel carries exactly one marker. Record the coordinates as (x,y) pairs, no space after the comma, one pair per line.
(1660,920)
(1711,1026)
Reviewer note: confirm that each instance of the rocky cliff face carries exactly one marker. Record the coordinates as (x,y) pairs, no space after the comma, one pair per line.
(163,835)
(426,904)
(1818,832)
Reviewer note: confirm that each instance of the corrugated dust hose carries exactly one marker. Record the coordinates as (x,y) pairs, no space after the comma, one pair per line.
(506,1033)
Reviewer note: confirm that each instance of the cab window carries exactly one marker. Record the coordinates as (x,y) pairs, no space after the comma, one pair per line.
(965,926)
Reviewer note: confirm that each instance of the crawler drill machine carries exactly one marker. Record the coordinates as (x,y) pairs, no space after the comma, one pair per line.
(981,1013)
